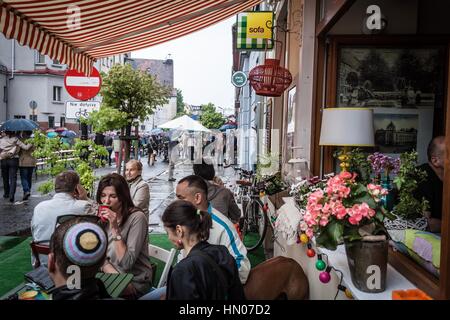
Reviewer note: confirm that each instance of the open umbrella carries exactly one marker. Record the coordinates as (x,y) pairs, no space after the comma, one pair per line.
(61,129)
(68,134)
(19,125)
(52,134)
(227,126)
(156,131)
(184,123)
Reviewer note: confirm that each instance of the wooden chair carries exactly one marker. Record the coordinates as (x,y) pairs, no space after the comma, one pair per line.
(38,248)
(164,255)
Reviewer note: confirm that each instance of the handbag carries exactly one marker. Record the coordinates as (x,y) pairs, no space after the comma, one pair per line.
(8,154)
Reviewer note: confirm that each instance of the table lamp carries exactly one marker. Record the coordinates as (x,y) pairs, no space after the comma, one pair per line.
(347,127)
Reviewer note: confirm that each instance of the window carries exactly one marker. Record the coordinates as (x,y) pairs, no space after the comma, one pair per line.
(51,121)
(40,58)
(33,117)
(5,94)
(62,120)
(142,126)
(19,116)
(56,93)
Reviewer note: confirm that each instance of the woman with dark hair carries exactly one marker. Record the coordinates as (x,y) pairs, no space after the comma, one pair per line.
(208,272)
(127,234)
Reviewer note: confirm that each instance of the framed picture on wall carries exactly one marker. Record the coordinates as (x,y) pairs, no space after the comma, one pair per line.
(403,85)
(390,77)
(291,110)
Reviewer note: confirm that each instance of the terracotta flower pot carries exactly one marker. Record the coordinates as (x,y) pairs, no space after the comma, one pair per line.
(368,264)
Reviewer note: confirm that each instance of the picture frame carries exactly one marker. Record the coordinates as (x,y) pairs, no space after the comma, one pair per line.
(404,85)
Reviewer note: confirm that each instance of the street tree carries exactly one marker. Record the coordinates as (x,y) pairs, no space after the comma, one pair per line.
(180,104)
(210,118)
(133,92)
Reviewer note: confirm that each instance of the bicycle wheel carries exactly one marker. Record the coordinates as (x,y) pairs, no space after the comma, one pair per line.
(254,225)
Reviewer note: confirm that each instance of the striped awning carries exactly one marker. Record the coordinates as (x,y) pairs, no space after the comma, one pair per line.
(76,33)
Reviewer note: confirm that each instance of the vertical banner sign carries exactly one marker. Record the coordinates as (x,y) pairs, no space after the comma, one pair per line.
(254,30)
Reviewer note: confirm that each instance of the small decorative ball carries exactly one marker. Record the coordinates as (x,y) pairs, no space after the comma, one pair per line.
(320,265)
(304,238)
(310,253)
(324,277)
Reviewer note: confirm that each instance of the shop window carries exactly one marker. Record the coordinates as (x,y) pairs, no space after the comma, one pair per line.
(57,93)
(33,117)
(62,120)
(51,121)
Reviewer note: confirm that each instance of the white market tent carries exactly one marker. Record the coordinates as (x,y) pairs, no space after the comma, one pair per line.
(184,123)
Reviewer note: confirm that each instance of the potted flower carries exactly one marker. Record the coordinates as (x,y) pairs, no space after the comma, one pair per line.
(382,166)
(351,212)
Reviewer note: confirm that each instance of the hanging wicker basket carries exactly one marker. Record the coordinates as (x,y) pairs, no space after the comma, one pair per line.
(270,79)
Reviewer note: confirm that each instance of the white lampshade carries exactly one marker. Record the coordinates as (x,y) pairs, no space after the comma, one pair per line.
(347,127)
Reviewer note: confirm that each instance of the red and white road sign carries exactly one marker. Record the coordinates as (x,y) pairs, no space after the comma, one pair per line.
(81,87)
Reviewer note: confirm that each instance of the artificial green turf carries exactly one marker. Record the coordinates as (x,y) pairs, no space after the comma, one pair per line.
(9,242)
(15,261)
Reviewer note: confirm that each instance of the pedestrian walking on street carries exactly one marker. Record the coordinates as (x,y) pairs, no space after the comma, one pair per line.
(116,147)
(108,144)
(27,164)
(10,146)
(171,147)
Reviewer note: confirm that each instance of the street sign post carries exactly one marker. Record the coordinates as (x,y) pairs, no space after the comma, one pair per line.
(81,87)
(77,109)
(239,79)
(33,107)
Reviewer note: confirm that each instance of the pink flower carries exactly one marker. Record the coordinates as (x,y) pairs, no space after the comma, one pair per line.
(323,221)
(345,175)
(309,232)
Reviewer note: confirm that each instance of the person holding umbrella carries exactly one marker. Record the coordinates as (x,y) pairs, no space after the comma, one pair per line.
(10,146)
(27,163)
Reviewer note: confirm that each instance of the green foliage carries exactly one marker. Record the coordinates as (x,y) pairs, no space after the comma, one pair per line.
(210,118)
(106,119)
(358,164)
(85,156)
(180,102)
(46,187)
(133,92)
(407,181)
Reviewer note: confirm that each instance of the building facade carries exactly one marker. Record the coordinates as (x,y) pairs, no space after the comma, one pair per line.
(163,72)
(35,77)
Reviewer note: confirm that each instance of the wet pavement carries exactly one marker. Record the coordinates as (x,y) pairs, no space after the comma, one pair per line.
(15,218)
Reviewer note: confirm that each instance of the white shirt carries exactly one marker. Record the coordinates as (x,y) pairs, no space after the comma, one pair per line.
(45,214)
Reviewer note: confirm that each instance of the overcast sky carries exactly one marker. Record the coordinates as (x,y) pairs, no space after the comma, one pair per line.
(202,64)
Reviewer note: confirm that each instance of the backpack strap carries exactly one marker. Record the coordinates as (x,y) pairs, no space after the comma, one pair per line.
(213,264)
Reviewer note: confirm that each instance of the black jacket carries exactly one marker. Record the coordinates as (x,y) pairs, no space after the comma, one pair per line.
(194,278)
(91,289)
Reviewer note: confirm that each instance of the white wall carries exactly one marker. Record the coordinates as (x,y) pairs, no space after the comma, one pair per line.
(162,114)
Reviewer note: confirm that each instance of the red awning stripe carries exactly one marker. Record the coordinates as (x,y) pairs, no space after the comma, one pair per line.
(108,27)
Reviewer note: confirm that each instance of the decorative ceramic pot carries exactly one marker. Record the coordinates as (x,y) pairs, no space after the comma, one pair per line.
(367,262)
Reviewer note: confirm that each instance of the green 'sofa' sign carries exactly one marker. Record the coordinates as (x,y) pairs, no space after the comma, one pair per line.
(254,30)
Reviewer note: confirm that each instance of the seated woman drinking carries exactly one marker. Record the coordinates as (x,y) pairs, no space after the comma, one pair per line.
(208,272)
(127,235)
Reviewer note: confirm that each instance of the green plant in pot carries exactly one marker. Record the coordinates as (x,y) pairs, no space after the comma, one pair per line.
(351,212)
(409,207)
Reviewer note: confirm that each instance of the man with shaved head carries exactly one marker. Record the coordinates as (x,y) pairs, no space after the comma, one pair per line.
(431,188)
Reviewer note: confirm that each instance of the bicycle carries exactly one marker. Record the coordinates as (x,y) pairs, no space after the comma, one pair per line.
(82,112)
(256,216)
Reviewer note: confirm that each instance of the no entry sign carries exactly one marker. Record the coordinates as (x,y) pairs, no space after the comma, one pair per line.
(81,87)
